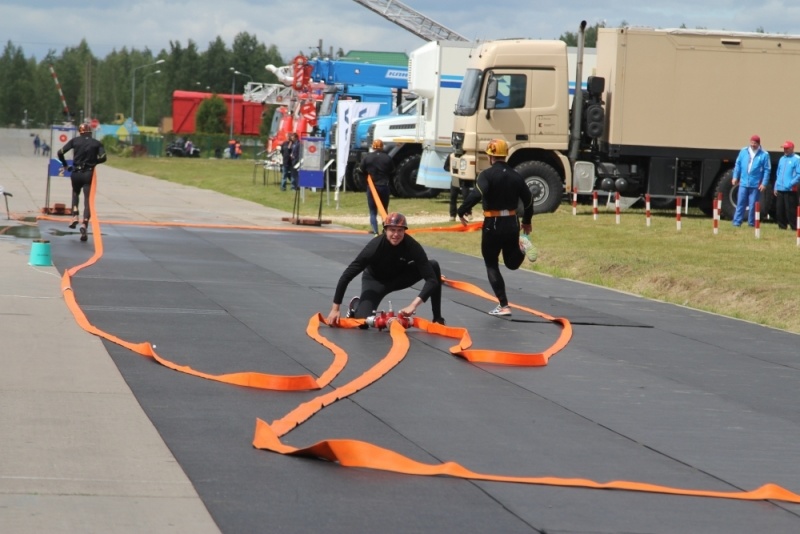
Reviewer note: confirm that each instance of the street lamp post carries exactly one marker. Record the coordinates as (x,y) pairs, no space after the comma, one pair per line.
(144,92)
(233,88)
(133,84)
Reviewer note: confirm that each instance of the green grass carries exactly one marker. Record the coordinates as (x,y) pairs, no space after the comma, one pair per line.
(731,273)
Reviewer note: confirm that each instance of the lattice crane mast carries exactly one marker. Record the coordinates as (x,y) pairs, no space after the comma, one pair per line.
(413,21)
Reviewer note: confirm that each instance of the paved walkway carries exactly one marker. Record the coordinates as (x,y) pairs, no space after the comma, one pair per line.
(78,453)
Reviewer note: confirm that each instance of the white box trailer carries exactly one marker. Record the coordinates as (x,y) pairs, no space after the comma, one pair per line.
(435,73)
(697,89)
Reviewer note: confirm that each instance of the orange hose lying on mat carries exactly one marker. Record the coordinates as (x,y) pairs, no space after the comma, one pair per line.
(353,453)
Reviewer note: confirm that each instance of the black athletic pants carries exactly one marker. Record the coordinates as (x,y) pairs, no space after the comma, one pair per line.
(500,235)
(374,291)
(81,181)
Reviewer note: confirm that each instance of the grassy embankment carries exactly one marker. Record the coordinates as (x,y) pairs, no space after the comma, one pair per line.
(732,273)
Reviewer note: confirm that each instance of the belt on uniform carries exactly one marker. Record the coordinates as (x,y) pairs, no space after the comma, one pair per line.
(499,213)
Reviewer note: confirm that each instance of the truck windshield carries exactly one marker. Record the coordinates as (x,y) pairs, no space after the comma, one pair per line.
(409,107)
(470,91)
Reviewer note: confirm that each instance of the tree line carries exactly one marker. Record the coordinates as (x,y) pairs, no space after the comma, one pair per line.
(95,88)
(102,89)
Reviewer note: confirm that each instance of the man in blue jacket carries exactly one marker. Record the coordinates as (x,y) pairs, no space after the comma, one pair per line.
(786,184)
(751,172)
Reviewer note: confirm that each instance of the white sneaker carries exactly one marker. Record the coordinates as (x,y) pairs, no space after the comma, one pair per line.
(501,311)
(528,248)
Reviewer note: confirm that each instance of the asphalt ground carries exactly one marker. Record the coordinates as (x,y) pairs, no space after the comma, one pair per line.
(644,391)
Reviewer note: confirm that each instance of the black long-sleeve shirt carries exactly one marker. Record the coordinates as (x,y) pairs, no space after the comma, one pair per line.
(88,152)
(385,262)
(379,165)
(500,188)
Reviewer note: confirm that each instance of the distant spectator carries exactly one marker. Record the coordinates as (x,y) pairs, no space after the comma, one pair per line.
(45,149)
(379,165)
(751,173)
(786,183)
(232,149)
(238,150)
(37,142)
(290,150)
(463,189)
(188,147)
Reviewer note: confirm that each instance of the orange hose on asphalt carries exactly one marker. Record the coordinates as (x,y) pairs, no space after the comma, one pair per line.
(353,453)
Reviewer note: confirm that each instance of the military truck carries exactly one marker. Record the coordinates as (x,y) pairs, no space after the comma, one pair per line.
(665,113)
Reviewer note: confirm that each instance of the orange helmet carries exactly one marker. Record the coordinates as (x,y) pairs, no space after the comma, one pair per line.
(395,219)
(377,144)
(497,148)
(84,129)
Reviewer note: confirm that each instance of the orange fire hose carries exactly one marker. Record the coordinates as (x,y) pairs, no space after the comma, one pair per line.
(353,453)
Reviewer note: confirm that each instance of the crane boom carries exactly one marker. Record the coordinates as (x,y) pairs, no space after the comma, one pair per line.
(411,20)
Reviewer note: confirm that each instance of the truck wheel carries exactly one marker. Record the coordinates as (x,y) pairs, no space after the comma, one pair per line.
(353,180)
(545,185)
(730,194)
(405,180)
(767,200)
(706,205)
(359,181)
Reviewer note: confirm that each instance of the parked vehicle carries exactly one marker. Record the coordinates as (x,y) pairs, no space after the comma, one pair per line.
(177,149)
(665,114)
(418,138)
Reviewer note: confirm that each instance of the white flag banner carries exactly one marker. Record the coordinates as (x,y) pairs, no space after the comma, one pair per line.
(348,112)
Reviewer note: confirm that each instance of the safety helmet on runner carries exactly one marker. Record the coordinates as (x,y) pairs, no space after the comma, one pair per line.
(377,144)
(84,129)
(497,148)
(395,219)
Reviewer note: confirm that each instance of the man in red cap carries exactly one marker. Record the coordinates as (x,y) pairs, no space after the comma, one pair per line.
(751,174)
(786,183)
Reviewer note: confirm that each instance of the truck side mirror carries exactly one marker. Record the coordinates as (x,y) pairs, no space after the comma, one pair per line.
(595,85)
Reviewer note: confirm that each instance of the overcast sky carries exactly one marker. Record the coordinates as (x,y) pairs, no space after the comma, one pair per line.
(297,25)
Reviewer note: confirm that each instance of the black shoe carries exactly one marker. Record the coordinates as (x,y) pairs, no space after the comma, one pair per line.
(74,222)
(439,320)
(84,237)
(352,307)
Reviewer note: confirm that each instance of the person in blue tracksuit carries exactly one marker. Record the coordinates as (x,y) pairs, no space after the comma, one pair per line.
(786,185)
(751,173)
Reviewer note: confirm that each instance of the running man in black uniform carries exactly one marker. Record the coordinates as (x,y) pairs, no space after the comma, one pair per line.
(88,153)
(390,262)
(501,188)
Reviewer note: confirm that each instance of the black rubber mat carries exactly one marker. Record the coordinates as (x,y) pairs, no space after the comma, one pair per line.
(644,391)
